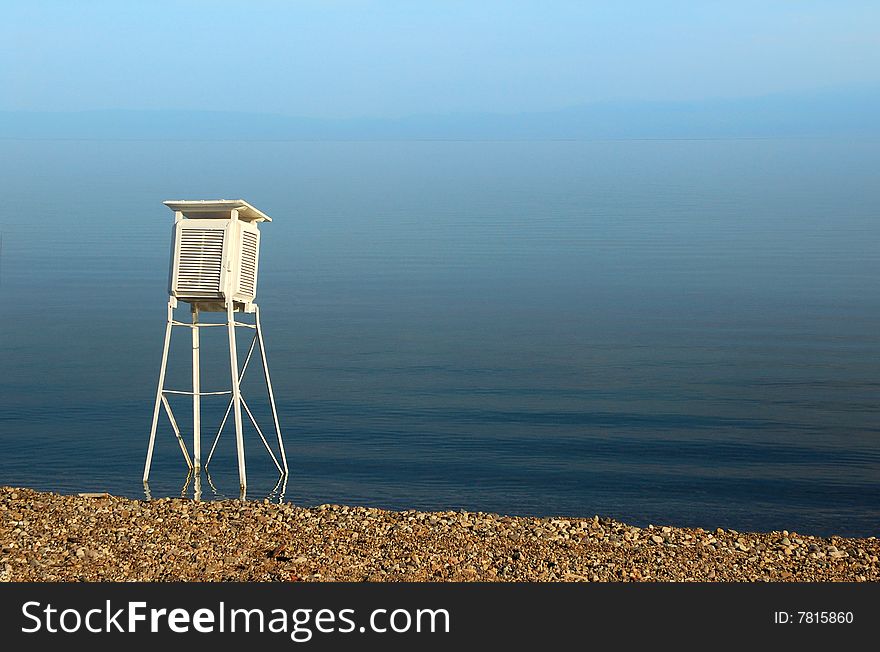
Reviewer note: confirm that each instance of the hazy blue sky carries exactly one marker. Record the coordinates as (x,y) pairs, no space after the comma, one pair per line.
(341,59)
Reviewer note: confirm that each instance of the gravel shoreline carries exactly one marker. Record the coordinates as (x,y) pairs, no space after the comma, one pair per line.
(52,537)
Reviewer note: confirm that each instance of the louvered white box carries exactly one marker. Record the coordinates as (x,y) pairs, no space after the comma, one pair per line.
(215,252)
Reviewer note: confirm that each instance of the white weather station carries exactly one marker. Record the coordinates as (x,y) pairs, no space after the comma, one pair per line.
(215,255)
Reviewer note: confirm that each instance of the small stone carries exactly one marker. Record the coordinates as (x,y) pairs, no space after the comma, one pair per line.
(574,577)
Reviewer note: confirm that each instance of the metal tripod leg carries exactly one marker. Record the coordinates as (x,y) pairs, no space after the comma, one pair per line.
(159,391)
(196,389)
(236,395)
(269,388)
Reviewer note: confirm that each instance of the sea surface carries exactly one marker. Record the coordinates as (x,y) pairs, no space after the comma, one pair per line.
(666,332)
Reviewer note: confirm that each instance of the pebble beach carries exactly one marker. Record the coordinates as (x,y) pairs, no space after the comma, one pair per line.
(98,537)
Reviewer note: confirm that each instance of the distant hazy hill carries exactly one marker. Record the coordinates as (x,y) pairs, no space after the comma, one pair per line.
(818,114)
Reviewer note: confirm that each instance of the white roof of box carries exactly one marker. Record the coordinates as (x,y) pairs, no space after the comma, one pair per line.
(217,208)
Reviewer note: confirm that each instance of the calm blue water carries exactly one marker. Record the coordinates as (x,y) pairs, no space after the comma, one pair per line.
(679,332)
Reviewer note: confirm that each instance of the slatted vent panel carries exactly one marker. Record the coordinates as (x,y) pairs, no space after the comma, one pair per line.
(247,279)
(200,262)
